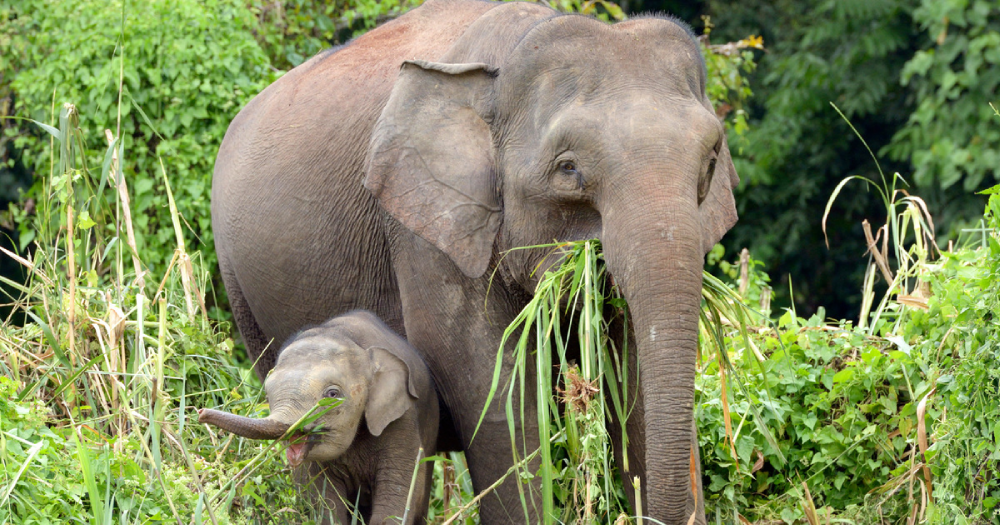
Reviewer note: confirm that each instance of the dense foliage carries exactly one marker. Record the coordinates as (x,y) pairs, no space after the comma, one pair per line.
(950,135)
(186,68)
(844,402)
(98,389)
(913,77)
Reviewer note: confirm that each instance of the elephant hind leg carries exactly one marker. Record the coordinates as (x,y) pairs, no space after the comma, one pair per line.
(253,337)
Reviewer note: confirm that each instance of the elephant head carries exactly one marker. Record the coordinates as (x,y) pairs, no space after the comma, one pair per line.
(374,383)
(574,129)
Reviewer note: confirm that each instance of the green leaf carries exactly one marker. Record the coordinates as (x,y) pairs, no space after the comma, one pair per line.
(843,376)
(85,222)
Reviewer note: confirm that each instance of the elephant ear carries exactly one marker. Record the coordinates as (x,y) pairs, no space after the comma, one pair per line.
(430,161)
(718,210)
(389,396)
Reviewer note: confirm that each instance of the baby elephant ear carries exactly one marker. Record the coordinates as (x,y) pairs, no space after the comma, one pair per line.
(430,161)
(389,395)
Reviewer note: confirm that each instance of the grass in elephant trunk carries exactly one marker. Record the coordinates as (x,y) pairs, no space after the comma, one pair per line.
(566,327)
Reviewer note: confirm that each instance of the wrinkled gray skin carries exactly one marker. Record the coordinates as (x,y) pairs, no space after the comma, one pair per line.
(379,380)
(391,174)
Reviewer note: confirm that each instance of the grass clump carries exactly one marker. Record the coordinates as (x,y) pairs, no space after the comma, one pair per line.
(97,420)
(574,404)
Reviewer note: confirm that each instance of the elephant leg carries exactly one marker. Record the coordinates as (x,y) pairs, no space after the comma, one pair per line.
(253,337)
(490,457)
(392,489)
(446,321)
(332,496)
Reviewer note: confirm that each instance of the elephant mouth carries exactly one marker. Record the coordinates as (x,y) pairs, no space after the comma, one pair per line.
(299,445)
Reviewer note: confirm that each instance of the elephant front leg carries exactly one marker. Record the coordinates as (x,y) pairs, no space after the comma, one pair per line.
(333,502)
(391,499)
(457,331)
(491,457)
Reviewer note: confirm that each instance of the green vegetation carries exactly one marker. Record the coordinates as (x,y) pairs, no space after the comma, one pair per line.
(863,410)
(97,419)
(914,78)
(800,419)
(185,68)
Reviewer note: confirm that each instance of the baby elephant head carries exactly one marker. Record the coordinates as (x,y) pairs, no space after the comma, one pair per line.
(320,363)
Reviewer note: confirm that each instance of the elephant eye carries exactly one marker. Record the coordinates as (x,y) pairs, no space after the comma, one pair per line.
(332,392)
(568,167)
(706,180)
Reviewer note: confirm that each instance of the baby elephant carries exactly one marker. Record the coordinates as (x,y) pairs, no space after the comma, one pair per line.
(380,380)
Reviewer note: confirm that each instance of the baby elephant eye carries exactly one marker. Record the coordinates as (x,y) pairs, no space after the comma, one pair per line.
(332,392)
(568,167)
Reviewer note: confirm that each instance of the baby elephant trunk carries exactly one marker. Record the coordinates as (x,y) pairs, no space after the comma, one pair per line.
(247,427)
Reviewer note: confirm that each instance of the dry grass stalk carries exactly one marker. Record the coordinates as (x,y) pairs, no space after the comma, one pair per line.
(922,209)
(119,178)
(27,264)
(765,299)
(915,300)
(187,271)
(637,487)
(881,256)
(693,474)
(725,410)
(809,507)
(922,439)
(70,272)
(868,296)
(448,485)
(744,271)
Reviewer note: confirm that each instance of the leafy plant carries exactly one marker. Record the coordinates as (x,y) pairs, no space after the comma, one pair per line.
(98,389)
(950,137)
(185,69)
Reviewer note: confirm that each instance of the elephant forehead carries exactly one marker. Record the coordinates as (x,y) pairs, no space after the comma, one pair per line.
(314,350)
(574,55)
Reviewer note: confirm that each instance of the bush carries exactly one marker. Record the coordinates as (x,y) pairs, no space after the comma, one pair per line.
(189,66)
(950,137)
(98,390)
(844,402)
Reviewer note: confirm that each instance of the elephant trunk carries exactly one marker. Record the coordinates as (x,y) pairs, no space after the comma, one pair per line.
(653,251)
(266,428)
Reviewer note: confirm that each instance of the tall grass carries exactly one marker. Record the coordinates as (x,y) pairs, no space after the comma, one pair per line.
(111,365)
(573,405)
(907,217)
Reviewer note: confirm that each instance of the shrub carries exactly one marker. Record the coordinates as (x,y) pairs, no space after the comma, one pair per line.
(185,68)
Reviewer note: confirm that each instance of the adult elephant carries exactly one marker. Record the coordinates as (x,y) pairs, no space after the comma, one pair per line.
(392,173)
